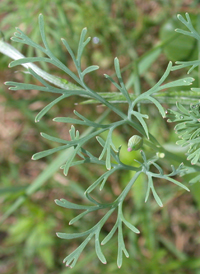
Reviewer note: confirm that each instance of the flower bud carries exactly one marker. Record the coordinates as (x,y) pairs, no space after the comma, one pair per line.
(135,143)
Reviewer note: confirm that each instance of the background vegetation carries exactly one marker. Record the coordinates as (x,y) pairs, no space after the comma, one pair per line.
(170,238)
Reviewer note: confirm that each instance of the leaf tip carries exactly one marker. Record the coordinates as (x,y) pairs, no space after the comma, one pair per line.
(84,31)
(58,234)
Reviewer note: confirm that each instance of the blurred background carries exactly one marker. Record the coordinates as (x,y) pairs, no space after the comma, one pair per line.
(170,237)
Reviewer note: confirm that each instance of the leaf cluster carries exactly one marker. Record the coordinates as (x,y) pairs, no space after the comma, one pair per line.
(145,167)
(110,154)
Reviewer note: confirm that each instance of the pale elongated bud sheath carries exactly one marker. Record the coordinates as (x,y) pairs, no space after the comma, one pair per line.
(135,143)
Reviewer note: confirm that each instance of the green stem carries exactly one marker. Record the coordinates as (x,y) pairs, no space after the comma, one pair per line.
(137,84)
(124,193)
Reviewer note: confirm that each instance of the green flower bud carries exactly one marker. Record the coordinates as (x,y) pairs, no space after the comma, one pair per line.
(135,143)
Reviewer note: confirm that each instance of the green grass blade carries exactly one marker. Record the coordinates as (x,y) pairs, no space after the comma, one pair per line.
(11,52)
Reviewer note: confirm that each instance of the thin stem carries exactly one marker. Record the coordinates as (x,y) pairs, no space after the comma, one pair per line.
(137,84)
(105,102)
(124,193)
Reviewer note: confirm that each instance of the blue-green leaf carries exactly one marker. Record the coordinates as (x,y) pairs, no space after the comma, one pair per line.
(89,69)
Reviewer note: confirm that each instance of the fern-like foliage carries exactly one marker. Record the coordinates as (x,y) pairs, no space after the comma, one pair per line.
(188,129)
(187,119)
(110,154)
